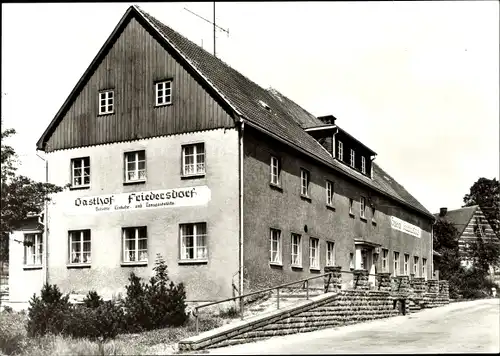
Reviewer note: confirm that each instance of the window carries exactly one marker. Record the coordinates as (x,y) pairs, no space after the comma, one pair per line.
(415,266)
(352,158)
(194,241)
(424,267)
(313,253)
(362,207)
(296,250)
(135,166)
(396,264)
(79,246)
(406,262)
(80,172)
(329,193)
(135,244)
(33,247)
(163,93)
(350,206)
(275,171)
(304,182)
(385,266)
(330,253)
(106,102)
(351,260)
(373,215)
(275,251)
(340,151)
(363,165)
(193,159)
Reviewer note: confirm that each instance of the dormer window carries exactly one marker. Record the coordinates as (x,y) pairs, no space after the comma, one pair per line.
(352,158)
(340,151)
(363,164)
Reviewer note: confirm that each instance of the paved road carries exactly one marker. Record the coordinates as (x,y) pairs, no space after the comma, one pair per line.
(464,327)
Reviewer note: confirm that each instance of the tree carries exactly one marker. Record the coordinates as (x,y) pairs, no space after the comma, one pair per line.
(446,243)
(20,196)
(486,193)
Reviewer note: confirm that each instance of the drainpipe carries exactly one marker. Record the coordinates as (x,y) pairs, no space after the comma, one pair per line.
(45,255)
(240,174)
(432,250)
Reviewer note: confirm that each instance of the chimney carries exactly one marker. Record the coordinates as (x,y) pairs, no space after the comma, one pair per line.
(443,211)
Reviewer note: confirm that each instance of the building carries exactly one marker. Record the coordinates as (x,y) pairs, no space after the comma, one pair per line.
(471,224)
(170,151)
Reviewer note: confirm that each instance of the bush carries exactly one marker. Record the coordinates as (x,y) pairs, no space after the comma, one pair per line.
(92,300)
(12,333)
(156,304)
(47,314)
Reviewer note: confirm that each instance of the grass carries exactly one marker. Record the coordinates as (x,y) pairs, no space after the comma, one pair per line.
(14,339)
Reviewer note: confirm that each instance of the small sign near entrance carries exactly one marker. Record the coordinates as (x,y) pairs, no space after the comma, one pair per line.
(405,227)
(153,199)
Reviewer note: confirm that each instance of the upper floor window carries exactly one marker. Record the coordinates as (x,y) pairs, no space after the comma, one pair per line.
(79,246)
(406,263)
(363,164)
(194,241)
(415,266)
(296,250)
(33,249)
(340,151)
(275,250)
(373,214)
(362,207)
(385,266)
(330,253)
(106,102)
(193,159)
(135,244)
(163,93)
(352,158)
(396,263)
(329,193)
(275,171)
(313,253)
(135,166)
(80,172)
(304,182)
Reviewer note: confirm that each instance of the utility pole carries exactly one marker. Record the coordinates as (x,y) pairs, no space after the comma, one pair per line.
(213,23)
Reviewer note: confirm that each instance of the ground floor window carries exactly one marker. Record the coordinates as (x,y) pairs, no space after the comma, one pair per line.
(135,244)
(385,265)
(330,253)
(313,252)
(296,250)
(396,264)
(80,246)
(424,268)
(406,262)
(415,265)
(33,248)
(275,248)
(194,241)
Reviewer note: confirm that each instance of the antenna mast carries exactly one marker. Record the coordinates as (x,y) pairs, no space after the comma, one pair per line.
(212,23)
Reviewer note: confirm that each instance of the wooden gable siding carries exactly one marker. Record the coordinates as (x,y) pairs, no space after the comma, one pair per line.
(132,65)
(469,236)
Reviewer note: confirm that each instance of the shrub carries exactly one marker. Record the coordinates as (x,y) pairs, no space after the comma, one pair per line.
(8,309)
(92,300)
(12,333)
(156,304)
(47,314)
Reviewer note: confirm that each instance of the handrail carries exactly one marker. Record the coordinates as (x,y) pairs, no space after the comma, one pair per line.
(240,297)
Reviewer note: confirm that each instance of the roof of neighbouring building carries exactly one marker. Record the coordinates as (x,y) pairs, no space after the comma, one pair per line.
(460,218)
(31,223)
(278,117)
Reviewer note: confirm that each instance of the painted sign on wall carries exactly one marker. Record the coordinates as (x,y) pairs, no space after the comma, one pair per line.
(153,199)
(405,227)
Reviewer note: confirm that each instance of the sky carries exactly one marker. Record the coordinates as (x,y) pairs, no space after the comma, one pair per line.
(417,82)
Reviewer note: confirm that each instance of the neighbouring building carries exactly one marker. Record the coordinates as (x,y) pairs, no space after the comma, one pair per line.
(170,151)
(471,224)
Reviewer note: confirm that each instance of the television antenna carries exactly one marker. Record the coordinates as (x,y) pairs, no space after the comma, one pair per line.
(215,26)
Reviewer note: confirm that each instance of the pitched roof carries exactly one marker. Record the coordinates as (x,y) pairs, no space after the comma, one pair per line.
(284,120)
(460,218)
